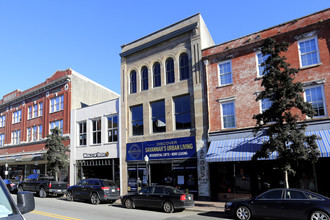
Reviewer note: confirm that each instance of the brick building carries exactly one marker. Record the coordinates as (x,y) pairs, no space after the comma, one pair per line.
(164,117)
(234,78)
(26,118)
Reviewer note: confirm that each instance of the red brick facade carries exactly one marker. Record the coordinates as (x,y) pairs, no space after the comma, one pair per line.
(246,83)
(57,85)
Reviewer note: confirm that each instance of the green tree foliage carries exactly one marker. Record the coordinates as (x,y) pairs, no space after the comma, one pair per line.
(286,136)
(57,156)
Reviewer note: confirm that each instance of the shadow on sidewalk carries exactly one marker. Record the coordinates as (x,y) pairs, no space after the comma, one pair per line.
(215,214)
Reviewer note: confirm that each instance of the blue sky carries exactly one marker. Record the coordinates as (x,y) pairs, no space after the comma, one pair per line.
(38,37)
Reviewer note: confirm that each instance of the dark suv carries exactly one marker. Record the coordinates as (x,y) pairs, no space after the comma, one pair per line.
(95,190)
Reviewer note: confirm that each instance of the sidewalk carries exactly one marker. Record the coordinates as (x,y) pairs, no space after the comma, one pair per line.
(207,206)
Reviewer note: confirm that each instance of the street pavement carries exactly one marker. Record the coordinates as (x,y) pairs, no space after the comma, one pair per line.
(51,208)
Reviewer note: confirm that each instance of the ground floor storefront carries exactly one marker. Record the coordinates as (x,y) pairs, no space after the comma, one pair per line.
(19,167)
(97,168)
(170,162)
(233,174)
(181,174)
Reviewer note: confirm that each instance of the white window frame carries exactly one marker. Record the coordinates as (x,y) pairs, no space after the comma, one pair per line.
(40,108)
(82,133)
(17,116)
(97,141)
(53,104)
(2,140)
(221,112)
(16,137)
(35,111)
(112,129)
(30,110)
(259,64)
(317,51)
(2,121)
(52,125)
(231,72)
(39,132)
(29,134)
(323,96)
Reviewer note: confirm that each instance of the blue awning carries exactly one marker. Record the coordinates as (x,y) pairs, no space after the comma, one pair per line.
(244,148)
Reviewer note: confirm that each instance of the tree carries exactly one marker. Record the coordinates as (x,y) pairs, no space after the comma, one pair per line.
(285,117)
(56,155)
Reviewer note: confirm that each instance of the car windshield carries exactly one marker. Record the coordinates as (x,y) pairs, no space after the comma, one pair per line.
(5,205)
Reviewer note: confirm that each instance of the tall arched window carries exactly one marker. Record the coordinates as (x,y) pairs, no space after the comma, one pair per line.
(133,82)
(184,66)
(156,70)
(169,71)
(144,78)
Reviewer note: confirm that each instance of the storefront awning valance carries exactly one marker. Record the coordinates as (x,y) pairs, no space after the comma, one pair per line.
(244,148)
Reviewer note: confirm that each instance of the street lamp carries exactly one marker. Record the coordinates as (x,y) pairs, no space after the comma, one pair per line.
(6,172)
(146,159)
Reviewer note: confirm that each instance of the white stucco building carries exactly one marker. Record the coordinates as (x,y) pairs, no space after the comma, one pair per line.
(95,135)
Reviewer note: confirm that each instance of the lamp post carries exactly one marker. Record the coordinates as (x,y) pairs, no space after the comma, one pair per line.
(6,172)
(146,159)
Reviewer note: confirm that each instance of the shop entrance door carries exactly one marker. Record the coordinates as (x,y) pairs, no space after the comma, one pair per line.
(161,174)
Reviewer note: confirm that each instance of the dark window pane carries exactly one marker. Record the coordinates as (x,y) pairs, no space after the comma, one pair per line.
(133,82)
(156,70)
(137,120)
(184,66)
(144,78)
(158,116)
(169,71)
(182,112)
(276,194)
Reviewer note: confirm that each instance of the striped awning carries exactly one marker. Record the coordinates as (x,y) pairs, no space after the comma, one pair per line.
(244,148)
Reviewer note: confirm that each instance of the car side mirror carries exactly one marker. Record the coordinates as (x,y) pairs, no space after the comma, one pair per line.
(25,202)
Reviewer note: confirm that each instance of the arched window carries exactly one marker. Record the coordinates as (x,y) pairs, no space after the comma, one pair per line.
(169,71)
(133,82)
(184,66)
(144,78)
(156,70)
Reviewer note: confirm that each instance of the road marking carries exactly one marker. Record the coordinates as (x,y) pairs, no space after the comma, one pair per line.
(54,215)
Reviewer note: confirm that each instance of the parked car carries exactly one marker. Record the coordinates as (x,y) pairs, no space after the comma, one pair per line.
(281,204)
(166,198)
(43,185)
(94,190)
(11,185)
(8,208)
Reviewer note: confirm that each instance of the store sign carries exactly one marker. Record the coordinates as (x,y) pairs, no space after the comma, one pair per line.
(162,149)
(95,155)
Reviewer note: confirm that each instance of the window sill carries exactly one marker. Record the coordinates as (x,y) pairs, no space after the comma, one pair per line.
(310,66)
(108,143)
(222,86)
(34,117)
(95,145)
(55,111)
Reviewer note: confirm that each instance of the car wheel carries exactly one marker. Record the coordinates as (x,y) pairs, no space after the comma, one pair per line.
(129,203)
(319,215)
(42,193)
(243,213)
(69,196)
(95,200)
(168,207)
(20,189)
